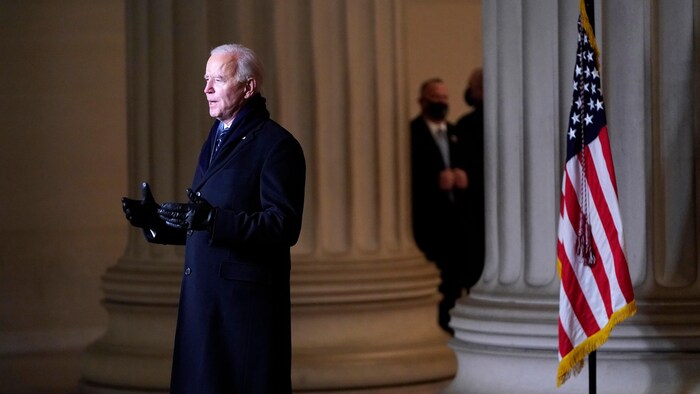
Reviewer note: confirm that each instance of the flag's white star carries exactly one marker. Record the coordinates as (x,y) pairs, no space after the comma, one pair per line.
(585,87)
(598,105)
(578,70)
(589,119)
(591,104)
(579,102)
(588,72)
(594,73)
(589,56)
(572,133)
(575,119)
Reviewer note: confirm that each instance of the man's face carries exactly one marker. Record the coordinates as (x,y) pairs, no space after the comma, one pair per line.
(434,101)
(435,92)
(225,94)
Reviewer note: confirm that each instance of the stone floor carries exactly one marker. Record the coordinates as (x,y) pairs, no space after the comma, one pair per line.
(56,373)
(59,373)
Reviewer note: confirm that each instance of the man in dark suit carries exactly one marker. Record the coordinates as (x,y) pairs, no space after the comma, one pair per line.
(439,183)
(470,132)
(243,215)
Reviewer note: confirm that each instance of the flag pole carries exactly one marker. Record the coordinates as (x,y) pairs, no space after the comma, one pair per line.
(592,378)
(591,373)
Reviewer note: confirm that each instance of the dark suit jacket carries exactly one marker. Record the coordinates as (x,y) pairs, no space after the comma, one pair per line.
(233,328)
(438,219)
(470,132)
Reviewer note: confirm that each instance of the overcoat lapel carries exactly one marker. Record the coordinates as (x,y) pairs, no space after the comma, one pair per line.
(205,155)
(228,152)
(243,130)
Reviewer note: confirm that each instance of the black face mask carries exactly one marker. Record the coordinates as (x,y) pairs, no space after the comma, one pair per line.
(436,110)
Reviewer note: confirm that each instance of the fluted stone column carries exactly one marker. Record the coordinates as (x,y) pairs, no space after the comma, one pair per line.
(166,124)
(506,329)
(364,299)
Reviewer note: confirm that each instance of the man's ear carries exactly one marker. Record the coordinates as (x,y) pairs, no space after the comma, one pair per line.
(250,88)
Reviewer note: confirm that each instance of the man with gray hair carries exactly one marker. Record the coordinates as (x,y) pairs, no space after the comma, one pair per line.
(244,213)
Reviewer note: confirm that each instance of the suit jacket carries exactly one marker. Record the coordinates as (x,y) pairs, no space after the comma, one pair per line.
(438,217)
(470,132)
(233,328)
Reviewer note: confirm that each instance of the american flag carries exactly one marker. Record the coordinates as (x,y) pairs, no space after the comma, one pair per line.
(596,291)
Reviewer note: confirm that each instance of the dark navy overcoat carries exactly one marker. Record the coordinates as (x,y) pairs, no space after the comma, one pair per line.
(233,328)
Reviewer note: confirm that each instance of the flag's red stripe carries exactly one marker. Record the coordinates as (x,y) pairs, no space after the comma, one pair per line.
(608,224)
(607,155)
(623,275)
(602,281)
(561,205)
(571,198)
(598,269)
(576,295)
(622,270)
(565,345)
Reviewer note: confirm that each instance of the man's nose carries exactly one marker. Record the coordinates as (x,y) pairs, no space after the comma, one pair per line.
(208,87)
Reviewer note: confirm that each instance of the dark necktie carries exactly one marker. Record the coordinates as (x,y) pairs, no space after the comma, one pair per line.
(220,135)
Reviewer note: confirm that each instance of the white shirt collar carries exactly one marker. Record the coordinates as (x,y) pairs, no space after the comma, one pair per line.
(435,127)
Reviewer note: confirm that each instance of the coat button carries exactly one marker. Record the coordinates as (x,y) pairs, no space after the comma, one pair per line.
(190,232)
(188,271)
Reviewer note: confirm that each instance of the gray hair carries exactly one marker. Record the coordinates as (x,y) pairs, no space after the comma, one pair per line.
(248,64)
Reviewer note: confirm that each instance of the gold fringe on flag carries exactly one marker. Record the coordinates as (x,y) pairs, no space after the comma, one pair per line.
(573,362)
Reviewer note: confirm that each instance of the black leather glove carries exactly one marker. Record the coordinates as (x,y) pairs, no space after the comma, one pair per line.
(197,214)
(142,213)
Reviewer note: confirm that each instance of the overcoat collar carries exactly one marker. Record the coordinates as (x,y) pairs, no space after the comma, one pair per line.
(243,131)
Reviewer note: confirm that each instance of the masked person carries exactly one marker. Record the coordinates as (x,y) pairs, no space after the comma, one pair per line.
(470,132)
(244,213)
(439,185)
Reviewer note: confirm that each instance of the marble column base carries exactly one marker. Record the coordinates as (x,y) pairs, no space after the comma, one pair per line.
(367,324)
(507,344)
(135,353)
(389,344)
